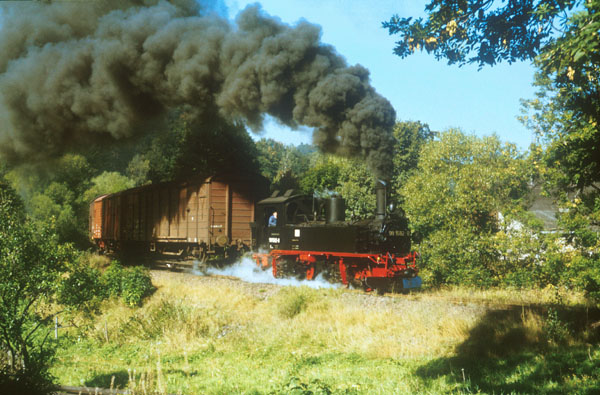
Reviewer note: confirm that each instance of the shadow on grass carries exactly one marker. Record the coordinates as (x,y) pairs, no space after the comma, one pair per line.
(534,350)
(121,379)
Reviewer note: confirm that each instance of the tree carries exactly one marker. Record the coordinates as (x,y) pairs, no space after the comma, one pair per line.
(270,155)
(31,264)
(284,165)
(57,193)
(323,177)
(482,31)
(107,182)
(41,279)
(454,199)
(137,170)
(357,186)
(565,115)
(190,148)
(409,138)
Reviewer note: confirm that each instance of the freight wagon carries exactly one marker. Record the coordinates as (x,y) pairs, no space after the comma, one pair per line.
(197,217)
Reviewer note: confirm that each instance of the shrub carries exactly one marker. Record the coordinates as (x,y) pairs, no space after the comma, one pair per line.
(132,284)
(112,279)
(136,285)
(82,289)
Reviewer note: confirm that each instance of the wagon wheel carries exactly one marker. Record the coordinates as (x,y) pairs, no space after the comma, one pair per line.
(331,272)
(202,255)
(287,267)
(231,254)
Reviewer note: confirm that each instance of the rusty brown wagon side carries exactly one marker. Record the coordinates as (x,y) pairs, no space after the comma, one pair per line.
(195,217)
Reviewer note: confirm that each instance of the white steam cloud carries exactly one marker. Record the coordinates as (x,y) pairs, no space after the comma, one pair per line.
(247,270)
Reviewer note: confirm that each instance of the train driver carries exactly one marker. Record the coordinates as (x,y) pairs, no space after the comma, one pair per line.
(273,219)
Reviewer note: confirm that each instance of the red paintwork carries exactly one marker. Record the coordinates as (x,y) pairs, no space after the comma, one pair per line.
(363,266)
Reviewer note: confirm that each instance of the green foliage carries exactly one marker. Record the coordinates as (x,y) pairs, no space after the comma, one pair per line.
(567,110)
(283,165)
(482,32)
(57,196)
(410,137)
(188,148)
(131,284)
(112,279)
(137,170)
(555,330)
(38,272)
(454,198)
(565,117)
(107,182)
(81,289)
(31,264)
(136,285)
(323,177)
(270,156)
(357,186)
(73,171)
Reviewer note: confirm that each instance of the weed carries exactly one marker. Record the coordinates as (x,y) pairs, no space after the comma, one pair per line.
(293,300)
(555,330)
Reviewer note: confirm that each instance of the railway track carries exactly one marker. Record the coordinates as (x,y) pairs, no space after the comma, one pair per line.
(195,268)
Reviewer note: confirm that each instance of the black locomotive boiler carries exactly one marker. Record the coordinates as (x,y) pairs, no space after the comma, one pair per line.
(311,236)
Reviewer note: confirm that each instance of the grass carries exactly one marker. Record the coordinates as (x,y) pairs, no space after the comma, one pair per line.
(198,336)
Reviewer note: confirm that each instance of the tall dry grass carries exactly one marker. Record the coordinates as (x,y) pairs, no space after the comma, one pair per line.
(215,335)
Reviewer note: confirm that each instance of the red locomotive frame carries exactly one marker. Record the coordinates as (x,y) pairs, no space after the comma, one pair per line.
(360,267)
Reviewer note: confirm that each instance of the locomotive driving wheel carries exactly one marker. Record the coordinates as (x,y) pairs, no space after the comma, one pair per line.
(331,272)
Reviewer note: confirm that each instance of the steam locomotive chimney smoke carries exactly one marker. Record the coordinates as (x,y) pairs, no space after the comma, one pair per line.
(74,73)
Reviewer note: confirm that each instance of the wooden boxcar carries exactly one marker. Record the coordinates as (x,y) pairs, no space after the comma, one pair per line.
(196,217)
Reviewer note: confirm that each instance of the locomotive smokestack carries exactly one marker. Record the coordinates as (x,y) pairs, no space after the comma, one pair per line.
(381,194)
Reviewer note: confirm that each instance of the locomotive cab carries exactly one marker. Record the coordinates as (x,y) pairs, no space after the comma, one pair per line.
(290,209)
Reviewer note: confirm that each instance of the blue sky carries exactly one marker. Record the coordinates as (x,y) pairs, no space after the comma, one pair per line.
(419,87)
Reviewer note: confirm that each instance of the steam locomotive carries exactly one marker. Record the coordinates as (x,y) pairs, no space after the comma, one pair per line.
(311,237)
(223,216)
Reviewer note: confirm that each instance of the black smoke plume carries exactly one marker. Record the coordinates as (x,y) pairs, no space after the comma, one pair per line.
(76,73)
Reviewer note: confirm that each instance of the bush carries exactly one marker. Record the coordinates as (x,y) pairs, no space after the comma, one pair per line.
(82,288)
(132,284)
(136,285)
(112,279)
